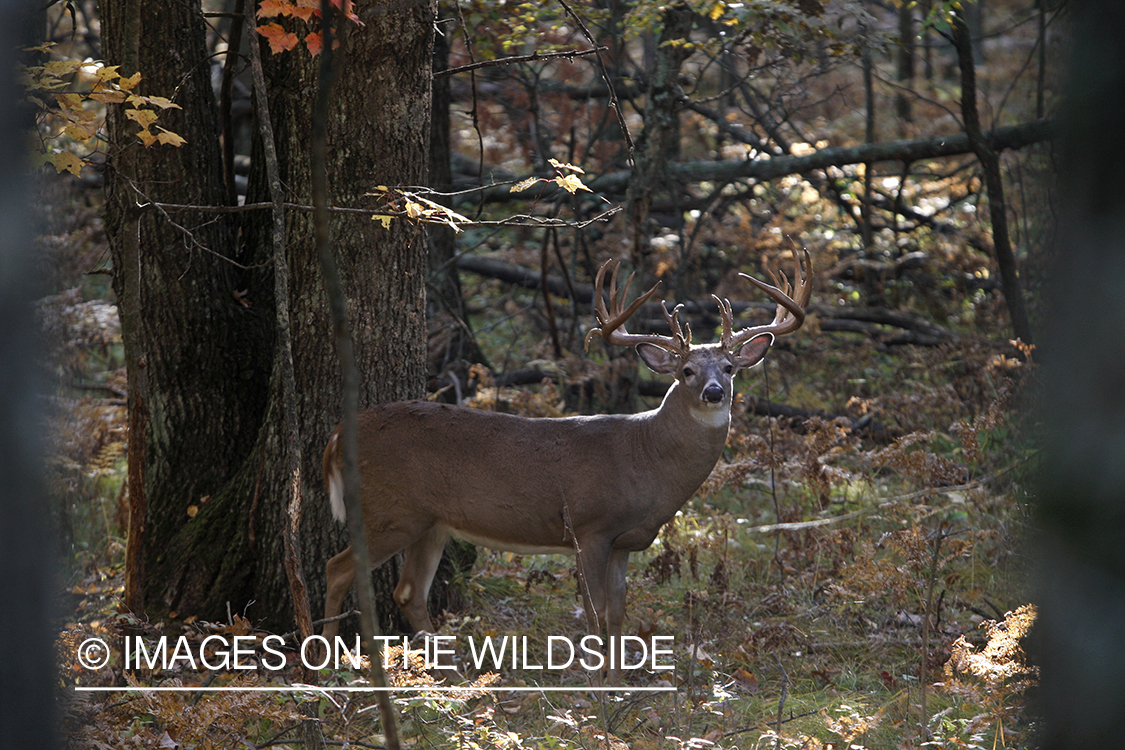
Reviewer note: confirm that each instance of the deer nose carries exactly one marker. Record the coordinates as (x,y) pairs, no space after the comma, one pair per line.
(713,393)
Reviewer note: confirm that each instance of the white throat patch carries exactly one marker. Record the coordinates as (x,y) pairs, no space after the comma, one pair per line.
(713,418)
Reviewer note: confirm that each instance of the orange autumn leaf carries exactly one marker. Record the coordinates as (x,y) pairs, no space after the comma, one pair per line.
(347,7)
(280,40)
(272,8)
(300,11)
(315,42)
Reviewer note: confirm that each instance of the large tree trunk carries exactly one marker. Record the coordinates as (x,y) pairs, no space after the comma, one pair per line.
(198,360)
(214,430)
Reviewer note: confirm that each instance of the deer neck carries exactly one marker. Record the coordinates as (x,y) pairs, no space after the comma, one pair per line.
(690,431)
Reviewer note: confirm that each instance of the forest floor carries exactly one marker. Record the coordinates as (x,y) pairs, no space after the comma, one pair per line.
(853,574)
(853,579)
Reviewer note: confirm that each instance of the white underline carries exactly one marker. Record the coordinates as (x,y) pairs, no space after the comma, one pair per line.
(352,689)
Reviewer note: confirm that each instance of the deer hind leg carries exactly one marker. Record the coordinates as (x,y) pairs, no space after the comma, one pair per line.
(341,572)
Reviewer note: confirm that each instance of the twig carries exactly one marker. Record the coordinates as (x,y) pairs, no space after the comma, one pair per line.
(292,634)
(939,537)
(756,728)
(798,526)
(781,701)
(517,220)
(518,59)
(613,103)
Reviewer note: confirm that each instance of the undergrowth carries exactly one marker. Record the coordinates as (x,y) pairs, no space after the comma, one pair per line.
(811,590)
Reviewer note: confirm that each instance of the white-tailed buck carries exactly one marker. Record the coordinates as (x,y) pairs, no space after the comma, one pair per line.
(598,487)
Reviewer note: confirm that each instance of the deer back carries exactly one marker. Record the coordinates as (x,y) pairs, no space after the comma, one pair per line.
(530,485)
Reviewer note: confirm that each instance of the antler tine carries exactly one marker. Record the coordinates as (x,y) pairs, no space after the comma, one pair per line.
(791,301)
(728,320)
(612,321)
(673,319)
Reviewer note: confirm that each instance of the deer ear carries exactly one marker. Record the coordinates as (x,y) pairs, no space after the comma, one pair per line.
(658,360)
(753,351)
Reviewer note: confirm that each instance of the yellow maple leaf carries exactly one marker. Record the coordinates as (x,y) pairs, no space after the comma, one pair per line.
(146,137)
(384,218)
(69,101)
(64,160)
(128,83)
(162,102)
(523,184)
(571,184)
(563,165)
(717,10)
(107,73)
(108,97)
(143,117)
(62,67)
(414,210)
(169,138)
(79,133)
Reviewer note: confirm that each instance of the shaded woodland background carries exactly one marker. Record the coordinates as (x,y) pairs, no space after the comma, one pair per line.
(870,512)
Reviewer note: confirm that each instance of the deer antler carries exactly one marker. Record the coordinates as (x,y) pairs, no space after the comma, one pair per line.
(791,304)
(612,320)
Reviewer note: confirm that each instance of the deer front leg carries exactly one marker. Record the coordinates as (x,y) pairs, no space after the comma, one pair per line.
(421,560)
(420,563)
(616,584)
(593,576)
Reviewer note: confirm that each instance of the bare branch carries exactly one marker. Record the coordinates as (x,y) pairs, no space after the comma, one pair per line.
(572,53)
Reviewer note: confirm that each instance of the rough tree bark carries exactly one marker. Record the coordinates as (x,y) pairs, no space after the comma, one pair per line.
(189,345)
(204,325)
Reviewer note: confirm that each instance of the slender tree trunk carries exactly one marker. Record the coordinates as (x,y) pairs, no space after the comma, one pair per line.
(869,137)
(452,342)
(994,184)
(659,143)
(904,64)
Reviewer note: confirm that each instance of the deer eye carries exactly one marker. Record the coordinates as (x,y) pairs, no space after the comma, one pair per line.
(728,369)
(688,372)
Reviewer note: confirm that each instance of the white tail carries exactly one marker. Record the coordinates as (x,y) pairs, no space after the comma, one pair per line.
(598,487)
